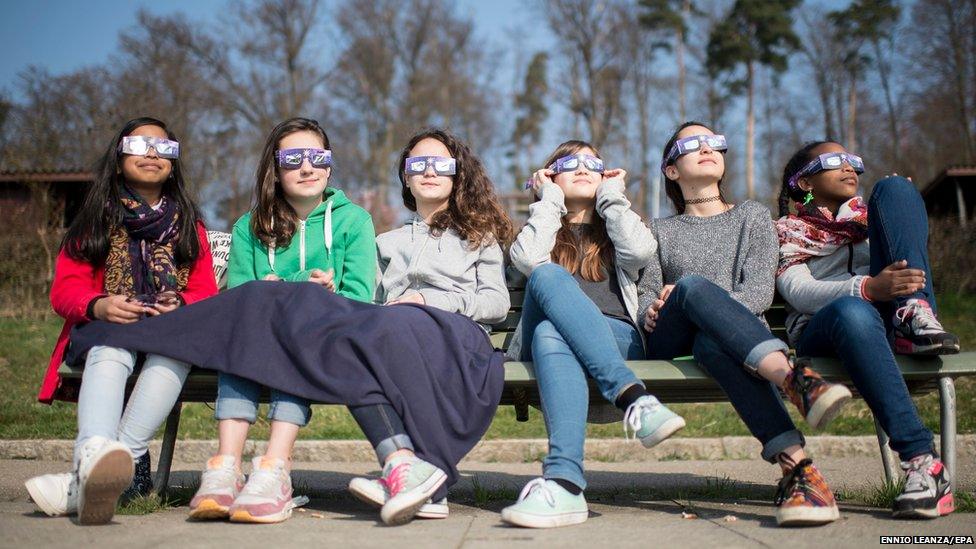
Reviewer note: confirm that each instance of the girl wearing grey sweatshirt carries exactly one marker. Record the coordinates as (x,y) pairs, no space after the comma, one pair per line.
(582,250)
(447,257)
(704,294)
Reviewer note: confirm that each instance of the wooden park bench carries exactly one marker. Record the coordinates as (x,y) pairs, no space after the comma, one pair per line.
(672,381)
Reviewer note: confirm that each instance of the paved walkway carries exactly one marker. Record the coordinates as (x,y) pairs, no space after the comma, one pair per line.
(632,504)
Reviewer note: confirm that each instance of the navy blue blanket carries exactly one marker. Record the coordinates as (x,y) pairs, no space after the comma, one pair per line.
(437,369)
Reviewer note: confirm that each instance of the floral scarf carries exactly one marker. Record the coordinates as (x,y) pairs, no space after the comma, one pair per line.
(816,232)
(140,260)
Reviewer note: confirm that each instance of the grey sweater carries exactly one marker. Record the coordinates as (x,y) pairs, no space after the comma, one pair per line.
(633,243)
(444,269)
(737,250)
(811,285)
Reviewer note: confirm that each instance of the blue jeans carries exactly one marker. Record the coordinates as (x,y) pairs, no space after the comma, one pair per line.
(702,318)
(568,339)
(102,394)
(237,398)
(898,228)
(851,328)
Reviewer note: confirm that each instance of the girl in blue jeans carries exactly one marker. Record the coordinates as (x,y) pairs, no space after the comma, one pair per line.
(583,249)
(853,273)
(705,294)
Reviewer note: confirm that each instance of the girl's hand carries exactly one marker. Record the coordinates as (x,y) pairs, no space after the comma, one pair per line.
(119,309)
(272,277)
(326,279)
(894,281)
(165,302)
(615,173)
(665,292)
(409,298)
(650,317)
(540,178)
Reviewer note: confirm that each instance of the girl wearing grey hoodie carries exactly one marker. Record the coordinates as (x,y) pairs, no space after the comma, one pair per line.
(582,249)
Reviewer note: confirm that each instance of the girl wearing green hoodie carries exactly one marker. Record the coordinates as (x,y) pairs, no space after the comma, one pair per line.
(301,230)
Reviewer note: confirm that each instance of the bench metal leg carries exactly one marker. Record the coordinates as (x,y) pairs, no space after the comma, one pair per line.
(521,398)
(947,409)
(161,481)
(887,456)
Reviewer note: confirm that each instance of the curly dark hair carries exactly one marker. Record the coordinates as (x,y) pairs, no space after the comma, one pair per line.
(473,210)
(799,159)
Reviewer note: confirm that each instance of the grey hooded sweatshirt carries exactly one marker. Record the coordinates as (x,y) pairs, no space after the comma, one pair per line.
(634,244)
(444,270)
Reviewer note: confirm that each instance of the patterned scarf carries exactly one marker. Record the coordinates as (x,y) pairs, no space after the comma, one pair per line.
(816,232)
(140,259)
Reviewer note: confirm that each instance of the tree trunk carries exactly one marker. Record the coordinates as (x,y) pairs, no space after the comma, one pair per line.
(889,102)
(852,114)
(750,131)
(685,12)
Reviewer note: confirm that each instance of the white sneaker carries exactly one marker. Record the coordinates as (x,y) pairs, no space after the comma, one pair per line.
(220,484)
(56,495)
(373,492)
(105,468)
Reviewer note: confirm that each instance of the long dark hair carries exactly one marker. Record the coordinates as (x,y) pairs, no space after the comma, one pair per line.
(671,187)
(473,210)
(273,220)
(87,239)
(799,159)
(590,253)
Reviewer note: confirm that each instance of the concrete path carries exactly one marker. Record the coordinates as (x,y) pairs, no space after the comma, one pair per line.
(631,505)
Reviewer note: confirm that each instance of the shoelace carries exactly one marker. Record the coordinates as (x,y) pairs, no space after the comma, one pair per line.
(789,483)
(632,417)
(538,485)
(916,472)
(922,317)
(260,482)
(218,478)
(397,478)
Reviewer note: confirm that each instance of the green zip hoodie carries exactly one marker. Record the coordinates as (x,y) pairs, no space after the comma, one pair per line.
(337,235)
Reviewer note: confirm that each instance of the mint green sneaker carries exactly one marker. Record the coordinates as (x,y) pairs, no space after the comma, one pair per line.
(651,421)
(410,483)
(545,504)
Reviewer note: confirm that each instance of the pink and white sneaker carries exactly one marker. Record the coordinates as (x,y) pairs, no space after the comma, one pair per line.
(918,332)
(374,492)
(220,484)
(410,482)
(267,496)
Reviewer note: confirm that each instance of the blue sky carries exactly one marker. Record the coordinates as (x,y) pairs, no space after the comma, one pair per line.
(62,36)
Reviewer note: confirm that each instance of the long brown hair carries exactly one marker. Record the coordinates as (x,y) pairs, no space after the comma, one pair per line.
(273,220)
(671,187)
(590,253)
(472,210)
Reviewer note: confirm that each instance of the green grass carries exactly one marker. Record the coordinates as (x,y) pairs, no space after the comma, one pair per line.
(25,345)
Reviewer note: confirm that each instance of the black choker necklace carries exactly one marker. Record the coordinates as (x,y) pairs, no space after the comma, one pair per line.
(704,200)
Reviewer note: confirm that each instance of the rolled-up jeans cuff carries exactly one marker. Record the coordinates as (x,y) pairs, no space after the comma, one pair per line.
(781,442)
(389,445)
(289,411)
(236,408)
(762,350)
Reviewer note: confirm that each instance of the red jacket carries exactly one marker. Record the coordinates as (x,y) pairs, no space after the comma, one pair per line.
(76,283)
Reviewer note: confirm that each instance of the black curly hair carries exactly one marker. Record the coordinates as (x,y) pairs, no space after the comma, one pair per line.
(799,159)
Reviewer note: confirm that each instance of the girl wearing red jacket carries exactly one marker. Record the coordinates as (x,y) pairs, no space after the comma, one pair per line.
(137,248)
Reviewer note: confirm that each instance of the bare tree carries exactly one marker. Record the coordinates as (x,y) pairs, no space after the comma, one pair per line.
(587,33)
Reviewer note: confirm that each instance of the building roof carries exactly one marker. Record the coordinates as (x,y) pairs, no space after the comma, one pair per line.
(48,175)
(949,172)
